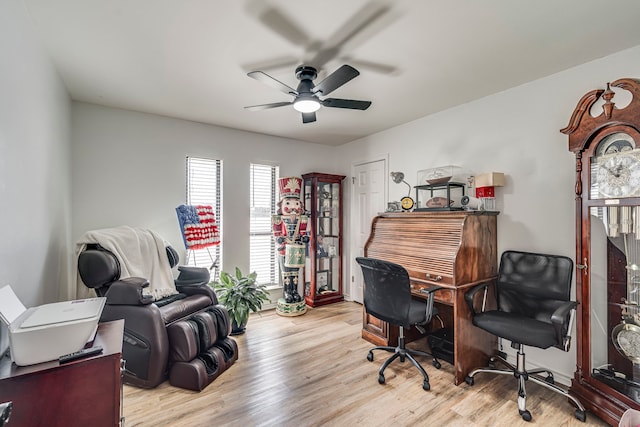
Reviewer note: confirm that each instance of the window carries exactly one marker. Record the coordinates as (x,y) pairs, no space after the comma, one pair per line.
(204,187)
(263,196)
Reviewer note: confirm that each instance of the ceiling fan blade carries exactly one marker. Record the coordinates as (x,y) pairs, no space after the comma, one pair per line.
(279,64)
(368,65)
(336,79)
(270,81)
(308,117)
(359,28)
(281,24)
(351,104)
(267,106)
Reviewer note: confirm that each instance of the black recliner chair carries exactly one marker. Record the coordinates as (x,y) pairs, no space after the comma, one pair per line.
(387,296)
(533,308)
(146,346)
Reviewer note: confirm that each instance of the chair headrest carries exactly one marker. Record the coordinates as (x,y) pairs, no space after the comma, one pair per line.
(173,256)
(98,267)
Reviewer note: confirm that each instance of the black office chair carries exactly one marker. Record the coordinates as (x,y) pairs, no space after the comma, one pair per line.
(533,308)
(387,296)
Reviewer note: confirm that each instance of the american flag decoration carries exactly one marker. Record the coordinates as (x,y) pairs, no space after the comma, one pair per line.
(198,226)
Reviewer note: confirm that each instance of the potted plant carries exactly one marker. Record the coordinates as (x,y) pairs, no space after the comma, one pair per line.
(240,295)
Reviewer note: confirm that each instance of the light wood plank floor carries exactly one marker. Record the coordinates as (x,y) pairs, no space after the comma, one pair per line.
(312,370)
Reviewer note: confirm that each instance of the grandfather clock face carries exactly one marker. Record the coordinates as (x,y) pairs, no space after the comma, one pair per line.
(617,164)
(615,171)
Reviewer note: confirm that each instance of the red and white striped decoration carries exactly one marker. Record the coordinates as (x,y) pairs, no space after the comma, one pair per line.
(198,225)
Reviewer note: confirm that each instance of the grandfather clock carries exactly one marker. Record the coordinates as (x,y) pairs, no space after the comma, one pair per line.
(606,142)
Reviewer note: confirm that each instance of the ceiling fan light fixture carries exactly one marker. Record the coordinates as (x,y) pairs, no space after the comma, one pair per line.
(306,104)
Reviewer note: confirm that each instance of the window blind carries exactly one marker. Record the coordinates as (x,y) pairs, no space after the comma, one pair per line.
(263,196)
(204,187)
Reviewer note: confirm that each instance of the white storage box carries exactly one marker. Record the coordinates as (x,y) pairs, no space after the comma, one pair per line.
(46,332)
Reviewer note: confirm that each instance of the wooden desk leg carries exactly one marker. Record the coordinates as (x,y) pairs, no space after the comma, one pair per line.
(472,346)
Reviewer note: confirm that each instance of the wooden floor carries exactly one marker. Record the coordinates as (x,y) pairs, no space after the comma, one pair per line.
(312,370)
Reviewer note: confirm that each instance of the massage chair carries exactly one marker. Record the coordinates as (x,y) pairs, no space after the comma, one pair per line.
(183,337)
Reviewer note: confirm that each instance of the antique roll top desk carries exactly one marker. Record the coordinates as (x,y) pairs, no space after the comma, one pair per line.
(452,249)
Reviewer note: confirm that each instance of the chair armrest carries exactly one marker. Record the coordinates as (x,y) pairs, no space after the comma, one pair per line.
(195,281)
(190,276)
(128,292)
(470,295)
(429,289)
(561,324)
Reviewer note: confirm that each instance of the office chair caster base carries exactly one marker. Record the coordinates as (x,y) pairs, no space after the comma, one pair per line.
(370,356)
(380,379)
(469,380)
(526,415)
(426,386)
(436,364)
(581,415)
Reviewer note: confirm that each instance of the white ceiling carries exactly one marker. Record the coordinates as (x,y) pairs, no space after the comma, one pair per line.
(189,58)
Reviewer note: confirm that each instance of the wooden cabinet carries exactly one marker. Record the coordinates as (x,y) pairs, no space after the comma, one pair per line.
(84,392)
(455,250)
(606,143)
(323,264)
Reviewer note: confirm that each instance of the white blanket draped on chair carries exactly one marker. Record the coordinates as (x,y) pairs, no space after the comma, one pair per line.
(141,253)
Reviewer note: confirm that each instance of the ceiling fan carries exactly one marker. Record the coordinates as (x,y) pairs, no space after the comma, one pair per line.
(371,19)
(307,96)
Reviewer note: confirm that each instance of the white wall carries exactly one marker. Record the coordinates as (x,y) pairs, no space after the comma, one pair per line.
(515,132)
(129,169)
(35,186)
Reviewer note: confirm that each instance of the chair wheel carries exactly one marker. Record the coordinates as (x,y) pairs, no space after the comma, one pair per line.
(426,386)
(549,379)
(436,364)
(370,356)
(469,380)
(381,379)
(526,415)
(492,364)
(581,415)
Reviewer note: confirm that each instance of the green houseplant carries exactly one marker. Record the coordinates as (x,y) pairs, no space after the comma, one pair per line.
(240,295)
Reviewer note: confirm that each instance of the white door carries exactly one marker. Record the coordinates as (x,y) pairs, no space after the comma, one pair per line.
(368,200)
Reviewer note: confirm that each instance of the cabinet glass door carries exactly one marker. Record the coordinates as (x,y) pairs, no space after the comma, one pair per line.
(328,233)
(614,266)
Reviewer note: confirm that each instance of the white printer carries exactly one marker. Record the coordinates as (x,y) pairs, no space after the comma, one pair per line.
(46,332)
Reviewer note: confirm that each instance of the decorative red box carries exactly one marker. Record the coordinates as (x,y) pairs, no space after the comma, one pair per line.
(485,192)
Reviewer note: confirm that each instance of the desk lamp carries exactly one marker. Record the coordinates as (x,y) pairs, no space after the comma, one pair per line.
(406,202)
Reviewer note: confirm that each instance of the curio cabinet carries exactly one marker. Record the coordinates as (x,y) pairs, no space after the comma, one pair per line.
(323,265)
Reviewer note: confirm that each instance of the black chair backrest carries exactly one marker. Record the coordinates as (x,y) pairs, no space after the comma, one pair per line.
(533,284)
(98,268)
(387,290)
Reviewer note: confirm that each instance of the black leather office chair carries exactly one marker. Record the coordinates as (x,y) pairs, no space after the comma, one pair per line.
(533,308)
(387,296)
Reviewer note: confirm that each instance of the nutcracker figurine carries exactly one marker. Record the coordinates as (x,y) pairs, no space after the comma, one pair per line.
(289,228)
